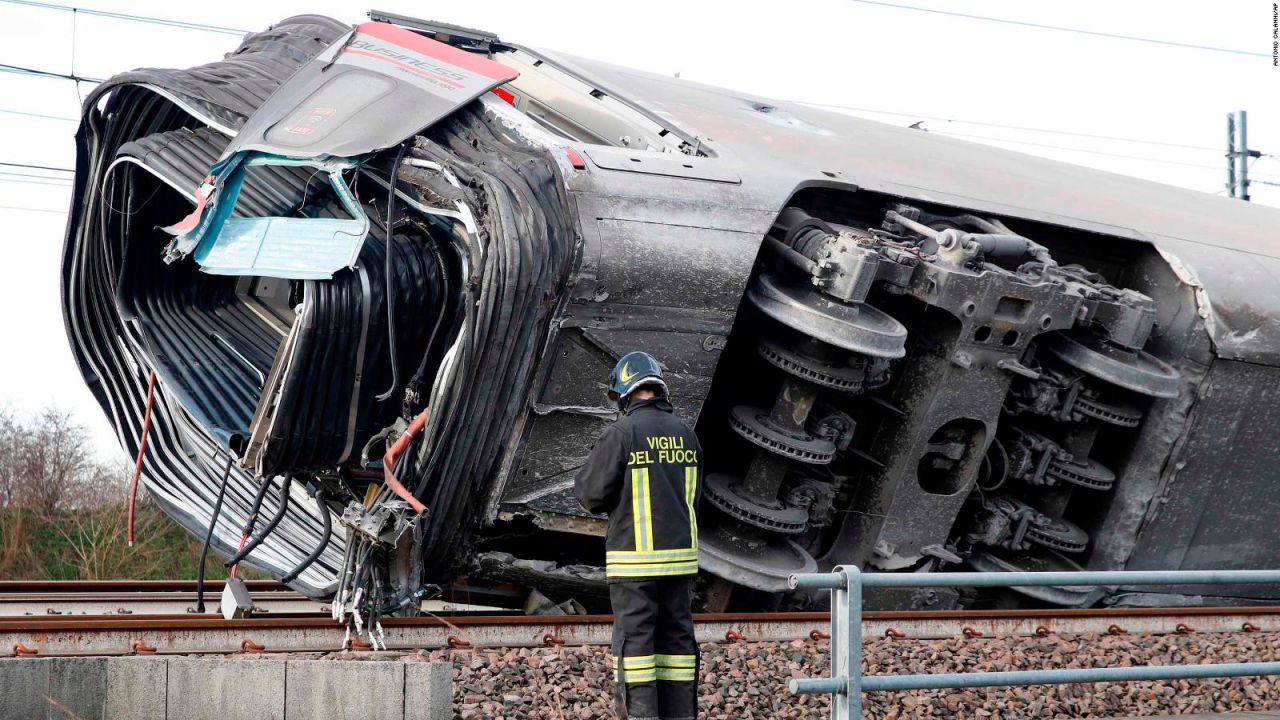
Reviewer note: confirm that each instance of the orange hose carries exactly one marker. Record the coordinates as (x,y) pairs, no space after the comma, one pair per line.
(142,449)
(393,454)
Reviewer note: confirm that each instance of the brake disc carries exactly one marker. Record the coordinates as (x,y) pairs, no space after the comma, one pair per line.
(1138,371)
(756,425)
(1122,415)
(858,327)
(1087,474)
(1040,528)
(1057,534)
(723,492)
(846,375)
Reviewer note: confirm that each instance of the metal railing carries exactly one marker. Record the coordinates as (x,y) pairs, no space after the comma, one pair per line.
(847,683)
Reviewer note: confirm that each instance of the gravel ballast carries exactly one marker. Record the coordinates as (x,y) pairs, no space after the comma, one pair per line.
(749,680)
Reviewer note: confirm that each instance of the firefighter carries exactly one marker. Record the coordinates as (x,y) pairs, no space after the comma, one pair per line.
(645,472)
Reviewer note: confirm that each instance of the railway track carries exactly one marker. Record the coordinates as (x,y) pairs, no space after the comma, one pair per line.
(165,597)
(120,618)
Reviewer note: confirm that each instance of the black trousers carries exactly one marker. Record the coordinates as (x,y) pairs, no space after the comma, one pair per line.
(655,656)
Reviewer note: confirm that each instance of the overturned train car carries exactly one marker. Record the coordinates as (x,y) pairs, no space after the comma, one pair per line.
(900,350)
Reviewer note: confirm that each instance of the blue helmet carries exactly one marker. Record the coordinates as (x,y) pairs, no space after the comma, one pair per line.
(633,370)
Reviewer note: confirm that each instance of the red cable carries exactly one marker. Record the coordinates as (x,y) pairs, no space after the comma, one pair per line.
(244,538)
(393,454)
(142,449)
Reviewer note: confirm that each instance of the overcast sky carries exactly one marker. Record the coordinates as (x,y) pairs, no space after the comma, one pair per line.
(976,78)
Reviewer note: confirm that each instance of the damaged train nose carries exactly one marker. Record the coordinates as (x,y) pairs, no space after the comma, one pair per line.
(344,259)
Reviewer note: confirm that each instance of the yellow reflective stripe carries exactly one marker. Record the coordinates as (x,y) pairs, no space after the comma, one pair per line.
(629,557)
(652,570)
(673,675)
(639,661)
(690,494)
(641,676)
(641,509)
(637,508)
(648,513)
(677,661)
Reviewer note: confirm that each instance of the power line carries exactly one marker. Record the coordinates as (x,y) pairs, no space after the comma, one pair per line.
(20,181)
(1026,128)
(31,209)
(50,178)
(41,116)
(19,70)
(1079,150)
(29,166)
(132,18)
(1058,28)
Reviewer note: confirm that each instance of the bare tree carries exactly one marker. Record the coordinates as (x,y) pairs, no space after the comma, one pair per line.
(64,509)
(8,455)
(45,458)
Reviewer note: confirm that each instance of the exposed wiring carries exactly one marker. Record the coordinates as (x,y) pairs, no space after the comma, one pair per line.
(390,291)
(142,449)
(251,520)
(208,536)
(327,527)
(247,548)
(393,455)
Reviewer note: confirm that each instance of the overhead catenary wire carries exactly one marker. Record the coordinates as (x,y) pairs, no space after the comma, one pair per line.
(30,166)
(1079,150)
(33,180)
(39,116)
(23,208)
(182,24)
(1060,28)
(20,70)
(1006,126)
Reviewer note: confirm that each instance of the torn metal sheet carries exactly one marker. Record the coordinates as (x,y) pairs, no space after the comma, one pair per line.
(369,90)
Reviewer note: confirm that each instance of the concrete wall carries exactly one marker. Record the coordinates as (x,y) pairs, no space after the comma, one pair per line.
(223,688)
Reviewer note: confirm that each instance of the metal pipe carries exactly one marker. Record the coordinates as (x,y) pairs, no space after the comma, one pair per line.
(847,683)
(919,227)
(850,632)
(1078,579)
(1063,676)
(817,581)
(1242,154)
(1041,579)
(791,255)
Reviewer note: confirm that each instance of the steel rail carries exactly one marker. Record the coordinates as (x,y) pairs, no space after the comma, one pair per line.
(114,635)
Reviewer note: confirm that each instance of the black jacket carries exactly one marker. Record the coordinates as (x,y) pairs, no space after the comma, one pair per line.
(645,471)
